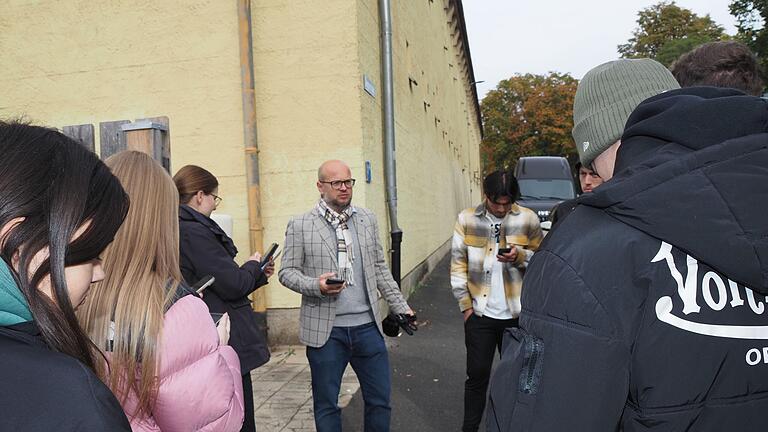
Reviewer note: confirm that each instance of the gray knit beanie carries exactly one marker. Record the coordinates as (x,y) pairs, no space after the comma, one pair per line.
(607,95)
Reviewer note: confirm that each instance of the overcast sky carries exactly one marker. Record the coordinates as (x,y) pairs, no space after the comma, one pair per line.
(538,36)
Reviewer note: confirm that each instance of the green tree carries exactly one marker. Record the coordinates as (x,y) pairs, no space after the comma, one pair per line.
(751,16)
(672,50)
(528,115)
(665,24)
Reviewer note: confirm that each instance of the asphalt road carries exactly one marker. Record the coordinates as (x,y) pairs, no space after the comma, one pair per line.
(428,369)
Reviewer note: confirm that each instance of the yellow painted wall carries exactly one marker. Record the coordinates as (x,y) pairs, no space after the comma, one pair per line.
(307,108)
(437,144)
(78,62)
(310,59)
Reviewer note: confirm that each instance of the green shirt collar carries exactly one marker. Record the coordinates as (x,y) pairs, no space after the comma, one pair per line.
(13,305)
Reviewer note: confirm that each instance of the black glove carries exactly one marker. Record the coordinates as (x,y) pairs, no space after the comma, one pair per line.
(394,322)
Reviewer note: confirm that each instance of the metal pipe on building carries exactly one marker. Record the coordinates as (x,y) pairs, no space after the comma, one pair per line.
(255,227)
(388,107)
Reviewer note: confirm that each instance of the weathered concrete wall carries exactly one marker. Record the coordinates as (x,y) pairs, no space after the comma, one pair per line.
(79,62)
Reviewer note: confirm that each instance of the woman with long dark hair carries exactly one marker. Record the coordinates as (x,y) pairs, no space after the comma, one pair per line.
(59,209)
(207,250)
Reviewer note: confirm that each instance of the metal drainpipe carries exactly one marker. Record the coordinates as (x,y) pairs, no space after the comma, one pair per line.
(388,108)
(255,228)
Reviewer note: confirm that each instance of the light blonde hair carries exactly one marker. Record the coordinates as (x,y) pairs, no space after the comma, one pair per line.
(142,275)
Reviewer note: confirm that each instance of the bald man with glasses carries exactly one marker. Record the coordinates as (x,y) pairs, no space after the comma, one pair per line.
(334,259)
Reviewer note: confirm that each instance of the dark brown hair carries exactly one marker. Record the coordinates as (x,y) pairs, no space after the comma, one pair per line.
(728,64)
(500,184)
(58,186)
(190,179)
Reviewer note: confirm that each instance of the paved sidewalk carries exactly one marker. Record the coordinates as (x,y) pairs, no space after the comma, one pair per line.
(282,392)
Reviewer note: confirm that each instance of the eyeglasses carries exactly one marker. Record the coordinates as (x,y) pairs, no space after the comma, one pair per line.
(336,184)
(216,199)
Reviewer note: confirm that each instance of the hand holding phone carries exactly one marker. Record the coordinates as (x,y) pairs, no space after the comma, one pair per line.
(508,254)
(268,257)
(269,268)
(330,284)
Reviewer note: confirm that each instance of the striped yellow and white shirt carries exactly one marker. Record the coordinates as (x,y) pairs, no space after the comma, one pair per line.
(473,255)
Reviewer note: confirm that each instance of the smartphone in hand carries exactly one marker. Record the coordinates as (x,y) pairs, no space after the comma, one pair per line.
(268,256)
(503,251)
(334,281)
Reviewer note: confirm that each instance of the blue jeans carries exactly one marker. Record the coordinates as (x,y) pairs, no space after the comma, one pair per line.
(362,347)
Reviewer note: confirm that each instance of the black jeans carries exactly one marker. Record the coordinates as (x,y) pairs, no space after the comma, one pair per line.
(249,420)
(482,336)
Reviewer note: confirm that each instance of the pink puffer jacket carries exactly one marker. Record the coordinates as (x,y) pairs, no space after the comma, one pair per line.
(201,388)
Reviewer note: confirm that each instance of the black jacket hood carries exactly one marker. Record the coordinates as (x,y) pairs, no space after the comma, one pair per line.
(692,170)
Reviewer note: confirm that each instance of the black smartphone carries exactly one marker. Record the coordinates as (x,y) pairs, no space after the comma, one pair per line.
(268,256)
(333,281)
(216,317)
(506,250)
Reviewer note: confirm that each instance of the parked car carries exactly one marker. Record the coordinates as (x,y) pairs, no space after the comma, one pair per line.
(544,182)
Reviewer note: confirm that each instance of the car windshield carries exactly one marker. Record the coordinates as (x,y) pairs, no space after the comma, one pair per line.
(546,189)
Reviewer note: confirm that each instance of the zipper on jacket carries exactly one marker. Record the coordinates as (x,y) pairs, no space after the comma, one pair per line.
(530,375)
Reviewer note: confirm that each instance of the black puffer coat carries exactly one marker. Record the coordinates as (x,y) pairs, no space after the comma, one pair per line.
(45,391)
(646,309)
(207,250)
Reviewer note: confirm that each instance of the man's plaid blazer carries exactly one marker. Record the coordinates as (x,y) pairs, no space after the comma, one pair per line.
(310,250)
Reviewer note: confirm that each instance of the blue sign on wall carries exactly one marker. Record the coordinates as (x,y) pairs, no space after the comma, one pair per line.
(367,171)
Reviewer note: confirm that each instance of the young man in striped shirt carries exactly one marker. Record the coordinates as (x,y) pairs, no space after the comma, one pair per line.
(492,244)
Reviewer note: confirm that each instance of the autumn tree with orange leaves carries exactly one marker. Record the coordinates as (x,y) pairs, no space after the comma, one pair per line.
(528,115)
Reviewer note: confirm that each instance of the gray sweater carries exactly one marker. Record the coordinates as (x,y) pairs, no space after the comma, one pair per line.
(353,307)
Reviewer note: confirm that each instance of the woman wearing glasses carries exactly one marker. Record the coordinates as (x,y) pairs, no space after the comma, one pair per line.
(207,250)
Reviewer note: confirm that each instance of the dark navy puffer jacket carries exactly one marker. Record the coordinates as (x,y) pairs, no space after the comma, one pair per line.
(45,391)
(646,309)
